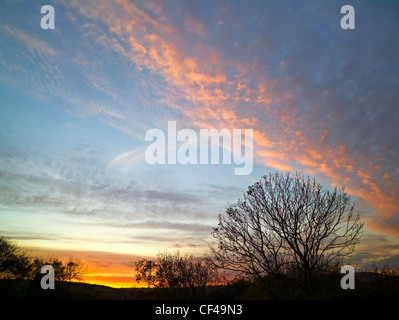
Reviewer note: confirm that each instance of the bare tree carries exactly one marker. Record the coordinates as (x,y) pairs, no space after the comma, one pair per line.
(174,271)
(71,269)
(74,269)
(286,222)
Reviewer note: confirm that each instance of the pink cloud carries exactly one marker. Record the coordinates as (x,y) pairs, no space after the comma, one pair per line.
(233,94)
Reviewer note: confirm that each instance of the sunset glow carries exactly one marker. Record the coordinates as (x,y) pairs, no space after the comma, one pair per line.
(76,102)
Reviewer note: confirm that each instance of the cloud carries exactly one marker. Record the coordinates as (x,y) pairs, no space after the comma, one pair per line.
(128,159)
(74,189)
(318,100)
(171,196)
(189,228)
(389,225)
(34,45)
(18,236)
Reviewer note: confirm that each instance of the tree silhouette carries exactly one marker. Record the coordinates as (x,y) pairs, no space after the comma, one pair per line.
(286,223)
(186,273)
(14,261)
(71,269)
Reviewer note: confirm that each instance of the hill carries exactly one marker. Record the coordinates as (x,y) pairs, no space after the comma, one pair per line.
(368,285)
(31,290)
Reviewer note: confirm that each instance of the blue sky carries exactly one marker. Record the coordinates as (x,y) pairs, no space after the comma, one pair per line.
(77,101)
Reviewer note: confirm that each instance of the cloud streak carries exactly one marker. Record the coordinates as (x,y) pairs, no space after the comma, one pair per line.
(327,119)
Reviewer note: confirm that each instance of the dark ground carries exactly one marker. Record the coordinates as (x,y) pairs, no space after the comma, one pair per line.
(368,286)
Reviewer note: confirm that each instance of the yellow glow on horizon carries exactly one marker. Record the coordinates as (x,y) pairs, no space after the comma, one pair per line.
(122,281)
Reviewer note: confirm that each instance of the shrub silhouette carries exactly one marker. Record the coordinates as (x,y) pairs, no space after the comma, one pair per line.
(185,276)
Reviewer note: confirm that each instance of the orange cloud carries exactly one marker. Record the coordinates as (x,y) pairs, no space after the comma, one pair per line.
(287,139)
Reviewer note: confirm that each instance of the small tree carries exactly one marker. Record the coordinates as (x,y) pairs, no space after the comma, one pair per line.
(173,271)
(72,269)
(283,223)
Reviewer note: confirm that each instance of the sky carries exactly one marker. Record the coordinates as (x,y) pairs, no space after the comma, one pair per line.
(76,103)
